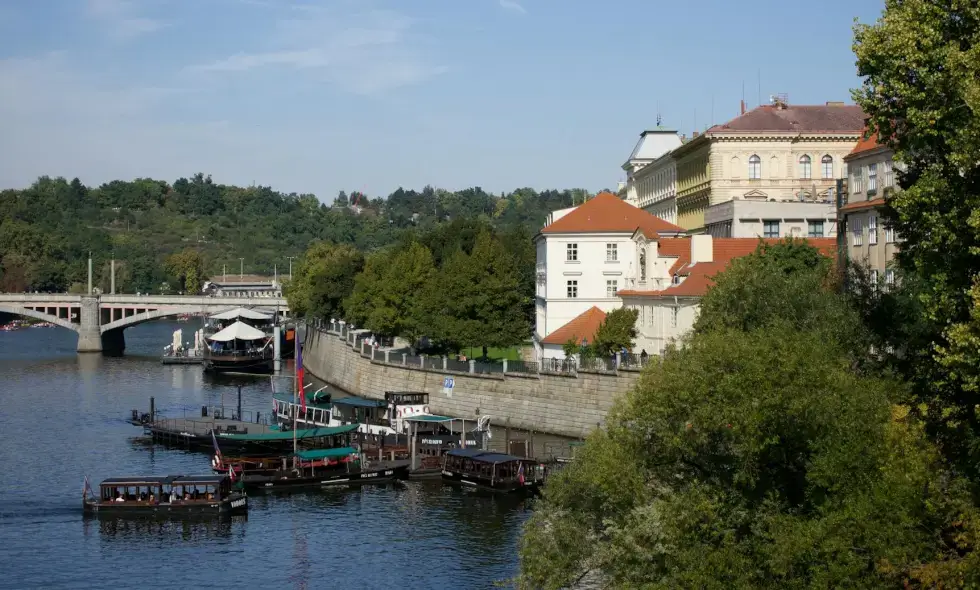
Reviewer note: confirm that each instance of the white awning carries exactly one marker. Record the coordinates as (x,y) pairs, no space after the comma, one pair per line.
(241,312)
(238,331)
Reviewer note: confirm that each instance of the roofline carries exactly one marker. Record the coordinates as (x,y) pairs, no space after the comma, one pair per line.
(725,133)
(879,148)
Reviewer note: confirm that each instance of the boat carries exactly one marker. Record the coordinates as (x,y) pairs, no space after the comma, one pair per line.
(327,467)
(172,495)
(241,341)
(496,472)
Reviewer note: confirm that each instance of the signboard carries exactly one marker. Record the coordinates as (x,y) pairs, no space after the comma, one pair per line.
(448,383)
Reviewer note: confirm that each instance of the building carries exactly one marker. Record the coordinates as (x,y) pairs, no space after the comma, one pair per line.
(865,238)
(678,272)
(243,286)
(584,256)
(650,173)
(784,158)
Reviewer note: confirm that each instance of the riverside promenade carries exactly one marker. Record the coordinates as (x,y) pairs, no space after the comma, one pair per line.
(566,401)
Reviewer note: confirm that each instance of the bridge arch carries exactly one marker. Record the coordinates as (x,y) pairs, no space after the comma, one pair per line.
(39,315)
(163,312)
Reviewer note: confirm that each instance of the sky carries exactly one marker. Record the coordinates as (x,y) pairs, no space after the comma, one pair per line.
(318,96)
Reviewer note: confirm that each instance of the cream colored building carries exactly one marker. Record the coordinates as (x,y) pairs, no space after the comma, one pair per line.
(775,153)
(650,174)
(870,181)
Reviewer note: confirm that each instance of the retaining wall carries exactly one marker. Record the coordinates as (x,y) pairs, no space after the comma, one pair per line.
(566,405)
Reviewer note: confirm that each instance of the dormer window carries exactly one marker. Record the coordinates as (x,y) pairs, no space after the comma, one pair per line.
(676,280)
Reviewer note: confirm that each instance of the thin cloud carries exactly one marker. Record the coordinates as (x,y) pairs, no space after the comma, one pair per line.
(512,6)
(122,19)
(364,53)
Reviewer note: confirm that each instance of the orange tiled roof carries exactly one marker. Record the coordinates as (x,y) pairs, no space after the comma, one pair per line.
(868,142)
(700,276)
(583,326)
(608,213)
(862,205)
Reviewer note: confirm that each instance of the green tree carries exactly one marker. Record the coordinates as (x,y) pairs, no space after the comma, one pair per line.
(616,332)
(187,269)
(920,64)
(367,288)
(323,279)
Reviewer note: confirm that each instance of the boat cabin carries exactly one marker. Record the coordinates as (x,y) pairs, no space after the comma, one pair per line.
(404,404)
(173,489)
(495,471)
(356,410)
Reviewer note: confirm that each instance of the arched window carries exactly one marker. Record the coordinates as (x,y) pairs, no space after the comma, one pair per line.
(755,167)
(804,166)
(827,165)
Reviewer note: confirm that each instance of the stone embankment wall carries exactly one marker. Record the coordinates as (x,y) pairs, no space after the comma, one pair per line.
(566,405)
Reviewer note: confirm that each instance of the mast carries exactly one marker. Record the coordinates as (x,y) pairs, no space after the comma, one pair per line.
(296,361)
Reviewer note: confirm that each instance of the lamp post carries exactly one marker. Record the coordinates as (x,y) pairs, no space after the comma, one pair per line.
(241,269)
(290,258)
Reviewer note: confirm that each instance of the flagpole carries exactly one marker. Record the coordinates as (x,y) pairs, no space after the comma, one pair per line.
(297,359)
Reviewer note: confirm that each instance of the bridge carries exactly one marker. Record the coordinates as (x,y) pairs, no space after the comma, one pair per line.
(101,319)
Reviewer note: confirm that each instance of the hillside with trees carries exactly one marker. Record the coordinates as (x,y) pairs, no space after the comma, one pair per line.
(170,237)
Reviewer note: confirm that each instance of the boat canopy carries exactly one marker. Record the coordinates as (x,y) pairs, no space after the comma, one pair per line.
(316,454)
(241,312)
(238,331)
(486,456)
(427,418)
(288,434)
(358,402)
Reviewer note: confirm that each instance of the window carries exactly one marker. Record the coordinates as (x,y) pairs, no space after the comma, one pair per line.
(858,233)
(571,252)
(572,289)
(650,313)
(611,288)
(770,229)
(643,265)
(872,179)
(889,278)
(612,253)
(857,181)
(872,230)
(804,166)
(815,229)
(755,168)
(889,179)
(827,166)
(889,235)
(673,317)
(874,280)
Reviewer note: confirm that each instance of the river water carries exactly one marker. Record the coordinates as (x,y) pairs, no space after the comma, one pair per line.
(63,416)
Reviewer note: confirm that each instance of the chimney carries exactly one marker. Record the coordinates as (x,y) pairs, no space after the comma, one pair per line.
(835,103)
(702,249)
(743,107)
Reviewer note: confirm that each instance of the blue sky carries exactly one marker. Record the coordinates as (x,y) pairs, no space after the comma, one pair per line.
(323,95)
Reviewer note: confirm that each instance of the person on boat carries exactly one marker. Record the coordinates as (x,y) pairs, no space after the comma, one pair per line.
(173,496)
(119,497)
(153,498)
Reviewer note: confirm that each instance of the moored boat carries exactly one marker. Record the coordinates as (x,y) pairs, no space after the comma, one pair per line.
(242,342)
(172,495)
(326,467)
(496,472)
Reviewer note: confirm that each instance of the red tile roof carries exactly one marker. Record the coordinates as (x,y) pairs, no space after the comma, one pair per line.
(869,141)
(583,326)
(608,213)
(862,205)
(831,118)
(700,276)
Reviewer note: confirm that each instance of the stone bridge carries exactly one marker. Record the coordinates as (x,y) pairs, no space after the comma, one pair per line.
(101,319)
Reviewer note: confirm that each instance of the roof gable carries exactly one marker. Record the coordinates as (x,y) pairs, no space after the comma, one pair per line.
(608,213)
(582,326)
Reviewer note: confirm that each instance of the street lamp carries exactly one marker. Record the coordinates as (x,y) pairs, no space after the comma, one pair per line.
(290,258)
(241,269)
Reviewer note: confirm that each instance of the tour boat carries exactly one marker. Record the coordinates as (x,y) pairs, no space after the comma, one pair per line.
(172,495)
(240,340)
(496,472)
(326,467)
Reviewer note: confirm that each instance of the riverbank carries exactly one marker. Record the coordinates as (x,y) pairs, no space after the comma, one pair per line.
(569,405)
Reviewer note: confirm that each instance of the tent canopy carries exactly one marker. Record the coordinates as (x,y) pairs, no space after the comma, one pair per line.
(237,331)
(241,312)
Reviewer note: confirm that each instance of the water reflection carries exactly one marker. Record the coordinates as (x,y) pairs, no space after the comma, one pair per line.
(164,531)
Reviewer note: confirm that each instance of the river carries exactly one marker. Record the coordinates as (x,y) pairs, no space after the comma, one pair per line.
(64,417)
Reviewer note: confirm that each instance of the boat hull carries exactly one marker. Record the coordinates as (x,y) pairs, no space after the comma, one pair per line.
(234,505)
(233,364)
(498,487)
(385,473)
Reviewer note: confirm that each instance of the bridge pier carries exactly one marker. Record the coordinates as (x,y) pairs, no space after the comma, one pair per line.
(89,332)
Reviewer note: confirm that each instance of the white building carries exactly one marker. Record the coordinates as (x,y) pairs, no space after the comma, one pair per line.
(650,173)
(584,256)
(755,216)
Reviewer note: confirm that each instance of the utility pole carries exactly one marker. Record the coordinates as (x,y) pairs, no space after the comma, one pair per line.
(275,273)
(89,273)
(241,268)
(224,273)
(290,258)
(112,275)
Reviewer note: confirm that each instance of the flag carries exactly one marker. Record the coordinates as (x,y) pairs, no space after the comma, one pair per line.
(299,376)
(520,474)
(217,451)
(231,473)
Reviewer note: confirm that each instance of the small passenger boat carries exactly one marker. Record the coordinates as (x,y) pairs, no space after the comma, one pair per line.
(491,471)
(172,495)
(326,467)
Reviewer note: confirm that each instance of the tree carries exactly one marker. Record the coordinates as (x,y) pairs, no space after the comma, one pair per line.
(616,332)
(367,288)
(323,279)
(187,268)
(921,65)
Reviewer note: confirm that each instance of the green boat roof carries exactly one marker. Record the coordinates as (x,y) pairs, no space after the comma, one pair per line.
(428,418)
(315,454)
(288,434)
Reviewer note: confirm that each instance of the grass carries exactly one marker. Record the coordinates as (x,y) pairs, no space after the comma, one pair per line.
(496,354)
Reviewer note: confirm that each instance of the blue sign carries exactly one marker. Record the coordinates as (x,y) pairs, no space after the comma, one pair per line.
(448,383)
